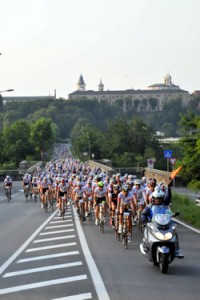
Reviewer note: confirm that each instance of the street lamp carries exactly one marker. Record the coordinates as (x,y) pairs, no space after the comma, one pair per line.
(9,90)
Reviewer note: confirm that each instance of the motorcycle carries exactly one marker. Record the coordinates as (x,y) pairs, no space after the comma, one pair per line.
(160,240)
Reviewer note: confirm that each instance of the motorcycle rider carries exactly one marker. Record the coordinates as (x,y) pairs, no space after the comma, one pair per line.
(160,198)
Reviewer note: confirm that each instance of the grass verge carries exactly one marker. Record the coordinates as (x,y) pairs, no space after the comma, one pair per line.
(189,212)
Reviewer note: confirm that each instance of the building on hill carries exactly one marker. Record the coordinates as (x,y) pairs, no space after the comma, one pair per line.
(151,99)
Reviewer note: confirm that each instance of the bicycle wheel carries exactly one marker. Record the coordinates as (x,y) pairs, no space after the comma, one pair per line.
(125,238)
(101,226)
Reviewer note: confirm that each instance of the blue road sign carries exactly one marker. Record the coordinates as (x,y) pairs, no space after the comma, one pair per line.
(167,153)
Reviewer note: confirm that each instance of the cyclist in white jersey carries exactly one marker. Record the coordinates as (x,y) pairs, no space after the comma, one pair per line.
(124,204)
(100,195)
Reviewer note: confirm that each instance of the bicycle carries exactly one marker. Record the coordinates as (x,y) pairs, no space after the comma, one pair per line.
(125,231)
(101,217)
(35,194)
(81,211)
(26,192)
(63,207)
(116,221)
(90,208)
(8,193)
(139,220)
(46,201)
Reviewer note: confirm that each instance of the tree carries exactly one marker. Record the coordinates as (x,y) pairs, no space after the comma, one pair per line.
(42,135)
(190,145)
(16,141)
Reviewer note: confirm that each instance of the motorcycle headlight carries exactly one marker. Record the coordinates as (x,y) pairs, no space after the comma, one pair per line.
(163,237)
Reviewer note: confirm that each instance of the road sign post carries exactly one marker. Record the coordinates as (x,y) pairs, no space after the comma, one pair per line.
(168,155)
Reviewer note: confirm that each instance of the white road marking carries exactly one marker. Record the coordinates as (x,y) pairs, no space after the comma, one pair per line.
(54,239)
(43,269)
(96,277)
(42,257)
(76,297)
(50,247)
(60,222)
(28,241)
(59,226)
(58,231)
(41,284)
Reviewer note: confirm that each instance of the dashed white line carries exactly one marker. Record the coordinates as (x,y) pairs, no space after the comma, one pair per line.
(58,231)
(50,247)
(61,221)
(43,269)
(85,296)
(41,284)
(59,226)
(24,260)
(54,239)
(13,257)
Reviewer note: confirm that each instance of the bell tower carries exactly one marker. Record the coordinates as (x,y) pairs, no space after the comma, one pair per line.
(168,80)
(100,86)
(81,84)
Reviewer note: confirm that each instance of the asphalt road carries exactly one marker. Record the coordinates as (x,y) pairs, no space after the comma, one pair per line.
(43,257)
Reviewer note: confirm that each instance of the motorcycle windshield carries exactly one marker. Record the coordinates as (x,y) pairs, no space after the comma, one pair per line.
(160,214)
(162,219)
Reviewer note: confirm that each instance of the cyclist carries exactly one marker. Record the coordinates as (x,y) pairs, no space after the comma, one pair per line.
(7,184)
(26,182)
(124,204)
(138,191)
(149,190)
(78,195)
(112,198)
(62,191)
(88,194)
(44,187)
(34,186)
(100,195)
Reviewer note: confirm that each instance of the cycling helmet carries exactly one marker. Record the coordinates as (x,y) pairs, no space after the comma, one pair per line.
(79,184)
(158,197)
(125,188)
(137,181)
(118,175)
(89,181)
(100,184)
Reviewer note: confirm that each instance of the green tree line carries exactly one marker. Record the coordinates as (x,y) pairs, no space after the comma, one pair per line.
(118,132)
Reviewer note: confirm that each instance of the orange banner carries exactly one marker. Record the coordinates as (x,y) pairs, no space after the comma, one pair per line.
(175,172)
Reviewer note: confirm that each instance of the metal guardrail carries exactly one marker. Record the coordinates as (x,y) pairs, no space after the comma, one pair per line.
(8,172)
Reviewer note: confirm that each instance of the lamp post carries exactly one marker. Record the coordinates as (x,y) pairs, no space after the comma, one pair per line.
(9,90)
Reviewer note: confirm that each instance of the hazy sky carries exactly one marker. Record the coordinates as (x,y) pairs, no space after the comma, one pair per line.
(47,44)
